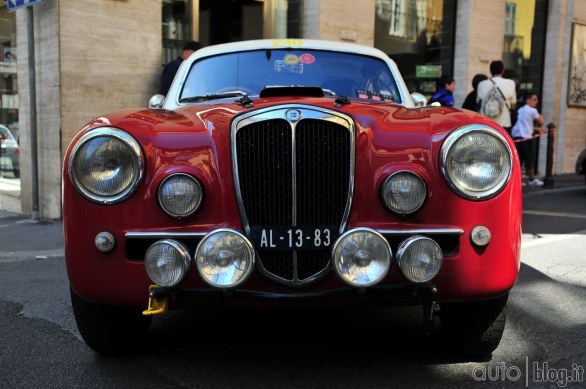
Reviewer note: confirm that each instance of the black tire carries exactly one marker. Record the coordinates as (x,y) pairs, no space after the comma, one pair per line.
(110,330)
(475,328)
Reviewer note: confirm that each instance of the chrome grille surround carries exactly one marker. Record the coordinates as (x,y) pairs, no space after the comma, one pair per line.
(293,268)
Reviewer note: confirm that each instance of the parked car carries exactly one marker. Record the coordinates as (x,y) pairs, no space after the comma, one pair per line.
(291,173)
(9,152)
(581,164)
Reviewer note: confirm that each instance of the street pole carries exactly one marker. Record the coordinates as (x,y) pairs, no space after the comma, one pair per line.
(33,112)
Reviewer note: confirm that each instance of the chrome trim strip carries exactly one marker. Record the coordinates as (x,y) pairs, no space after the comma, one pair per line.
(163,235)
(423,231)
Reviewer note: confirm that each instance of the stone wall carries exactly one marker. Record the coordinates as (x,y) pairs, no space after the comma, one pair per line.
(92,58)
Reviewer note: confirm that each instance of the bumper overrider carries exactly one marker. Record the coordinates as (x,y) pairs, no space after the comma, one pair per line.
(225,259)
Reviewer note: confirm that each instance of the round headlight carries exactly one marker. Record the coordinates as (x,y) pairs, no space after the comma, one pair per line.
(403,192)
(106,165)
(180,195)
(419,259)
(361,257)
(167,262)
(224,258)
(476,161)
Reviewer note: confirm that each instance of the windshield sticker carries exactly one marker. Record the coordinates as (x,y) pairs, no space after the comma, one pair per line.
(284,67)
(291,59)
(307,58)
(368,95)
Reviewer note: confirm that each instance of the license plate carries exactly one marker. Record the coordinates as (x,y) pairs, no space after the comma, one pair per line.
(293,238)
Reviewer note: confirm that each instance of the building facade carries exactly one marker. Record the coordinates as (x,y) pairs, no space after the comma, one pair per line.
(108,54)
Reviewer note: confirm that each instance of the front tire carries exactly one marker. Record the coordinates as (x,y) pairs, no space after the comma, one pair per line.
(474,328)
(109,330)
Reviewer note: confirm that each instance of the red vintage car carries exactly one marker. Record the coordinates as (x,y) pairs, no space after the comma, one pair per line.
(291,172)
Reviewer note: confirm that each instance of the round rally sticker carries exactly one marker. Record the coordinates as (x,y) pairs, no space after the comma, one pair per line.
(307,58)
(291,59)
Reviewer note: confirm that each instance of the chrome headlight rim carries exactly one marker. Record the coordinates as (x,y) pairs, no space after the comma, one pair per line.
(387,247)
(185,259)
(386,182)
(133,146)
(248,245)
(447,147)
(404,246)
(197,205)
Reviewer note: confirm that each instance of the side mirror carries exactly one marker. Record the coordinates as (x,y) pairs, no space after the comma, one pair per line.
(418,99)
(156,102)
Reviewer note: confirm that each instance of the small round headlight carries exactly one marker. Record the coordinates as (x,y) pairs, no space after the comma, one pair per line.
(180,195)
(224,258)
(361,257)
(403,192)
(106,165)
(167,262)
(476,161)
(419,258)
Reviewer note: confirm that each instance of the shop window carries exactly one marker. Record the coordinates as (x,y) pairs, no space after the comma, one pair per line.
(177,27)
(524,44)
(419,36)
(9,134)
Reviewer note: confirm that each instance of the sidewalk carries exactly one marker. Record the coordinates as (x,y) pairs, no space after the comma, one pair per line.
(22,238)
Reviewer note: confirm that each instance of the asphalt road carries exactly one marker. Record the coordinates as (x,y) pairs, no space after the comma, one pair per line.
(542,345)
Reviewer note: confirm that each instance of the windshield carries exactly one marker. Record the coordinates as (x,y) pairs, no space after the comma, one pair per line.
(339,74)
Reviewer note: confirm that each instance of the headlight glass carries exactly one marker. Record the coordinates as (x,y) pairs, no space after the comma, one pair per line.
(224,258)
(476,161)
(167,262)
(106,165)
(403,192)
(419,258)
(362,257)
(180,195)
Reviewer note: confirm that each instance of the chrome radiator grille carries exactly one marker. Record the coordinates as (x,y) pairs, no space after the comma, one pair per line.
(294,173)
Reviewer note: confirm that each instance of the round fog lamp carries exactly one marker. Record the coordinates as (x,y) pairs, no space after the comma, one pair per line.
(362,257)
(180,195)
(167,262)
(419,259)
(224,258)
(403,192)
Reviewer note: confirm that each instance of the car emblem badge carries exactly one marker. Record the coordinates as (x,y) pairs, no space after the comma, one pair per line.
(293,115)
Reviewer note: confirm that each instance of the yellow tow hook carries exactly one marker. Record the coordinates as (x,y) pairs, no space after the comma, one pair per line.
(156,305)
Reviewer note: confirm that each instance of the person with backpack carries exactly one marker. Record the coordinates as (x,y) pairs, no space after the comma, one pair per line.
(444,95)
(497,96)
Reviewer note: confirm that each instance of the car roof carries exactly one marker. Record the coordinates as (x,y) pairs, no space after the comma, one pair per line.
(289,44)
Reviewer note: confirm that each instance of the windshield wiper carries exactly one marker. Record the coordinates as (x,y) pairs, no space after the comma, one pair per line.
(213,96)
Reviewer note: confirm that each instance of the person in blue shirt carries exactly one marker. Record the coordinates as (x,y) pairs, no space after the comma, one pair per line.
(444,95)
(171,68)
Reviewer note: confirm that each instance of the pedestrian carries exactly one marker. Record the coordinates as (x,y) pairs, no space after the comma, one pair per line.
(528,117)
(499,88)
(470,101)
(444,95)
(171,68)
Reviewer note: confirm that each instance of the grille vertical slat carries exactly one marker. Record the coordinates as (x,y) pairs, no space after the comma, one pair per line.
(264,153)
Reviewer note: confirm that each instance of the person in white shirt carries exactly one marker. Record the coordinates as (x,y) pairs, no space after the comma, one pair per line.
(527,119)
(507,88)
